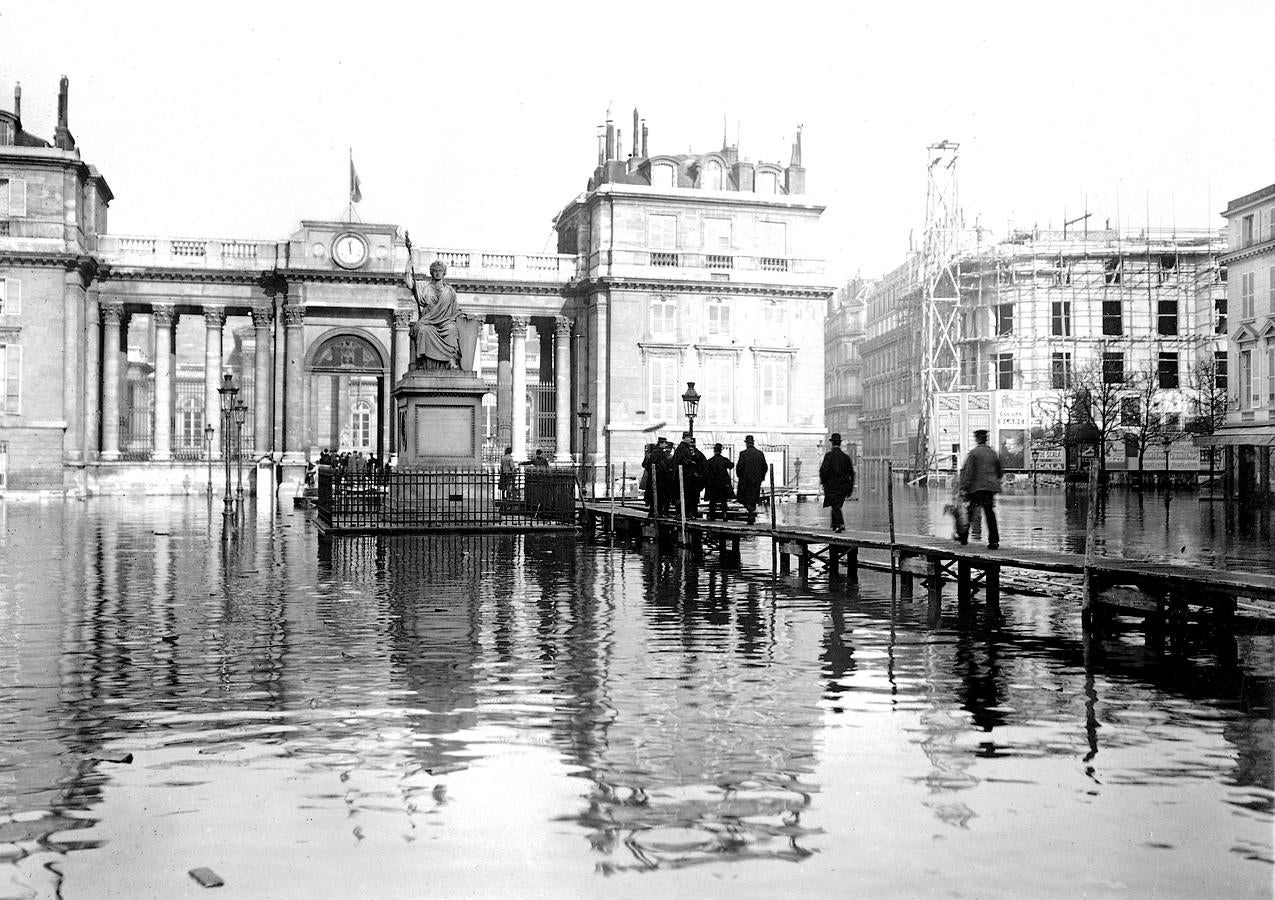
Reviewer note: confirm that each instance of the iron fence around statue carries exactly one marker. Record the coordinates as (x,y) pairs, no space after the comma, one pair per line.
(406,500)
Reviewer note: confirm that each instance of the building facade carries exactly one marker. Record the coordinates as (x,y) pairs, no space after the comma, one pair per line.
(1139,318)
(698,268)
(1248,434)
(114,349)
(843,369)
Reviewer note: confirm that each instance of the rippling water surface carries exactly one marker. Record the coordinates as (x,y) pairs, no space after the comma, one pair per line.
(532,717)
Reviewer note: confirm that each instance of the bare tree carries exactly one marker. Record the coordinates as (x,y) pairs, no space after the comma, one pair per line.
(1143,417)
(1098,389)
(1206,388)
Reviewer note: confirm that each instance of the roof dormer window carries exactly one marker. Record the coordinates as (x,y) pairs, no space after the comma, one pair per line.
(662,175)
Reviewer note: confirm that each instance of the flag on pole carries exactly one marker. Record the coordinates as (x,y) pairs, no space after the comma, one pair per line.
(356,186)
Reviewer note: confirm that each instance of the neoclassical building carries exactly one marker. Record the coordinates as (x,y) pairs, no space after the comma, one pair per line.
(113,348)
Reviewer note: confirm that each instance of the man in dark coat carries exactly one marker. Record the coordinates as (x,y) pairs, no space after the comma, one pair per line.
(981,482)
(717,487)
(836,474)
(751,472)
(663,477)
(691,462)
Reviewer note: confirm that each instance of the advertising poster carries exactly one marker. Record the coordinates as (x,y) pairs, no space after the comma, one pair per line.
(1012,447)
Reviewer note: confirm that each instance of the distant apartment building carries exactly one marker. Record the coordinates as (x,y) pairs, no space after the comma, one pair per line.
(1248,434)
(843,375)
(1037,316)
(698,268)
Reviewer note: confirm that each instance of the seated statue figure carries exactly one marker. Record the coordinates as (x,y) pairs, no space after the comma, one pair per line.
(436,330)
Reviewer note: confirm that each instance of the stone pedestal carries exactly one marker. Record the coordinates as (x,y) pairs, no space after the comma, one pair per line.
(439,415)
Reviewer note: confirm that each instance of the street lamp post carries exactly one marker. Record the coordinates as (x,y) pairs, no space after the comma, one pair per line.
(691,399)
(583,415)
(209,431)
(241,414)
(228,390)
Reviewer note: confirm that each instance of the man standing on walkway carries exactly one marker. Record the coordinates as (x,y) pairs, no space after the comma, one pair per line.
(691,462)
(836,474)
(981,482)
(717,489)
(751,472)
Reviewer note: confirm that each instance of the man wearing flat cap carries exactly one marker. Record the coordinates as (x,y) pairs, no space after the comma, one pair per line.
(836,474)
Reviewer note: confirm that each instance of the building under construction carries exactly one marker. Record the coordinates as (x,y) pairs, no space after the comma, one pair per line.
(967,335)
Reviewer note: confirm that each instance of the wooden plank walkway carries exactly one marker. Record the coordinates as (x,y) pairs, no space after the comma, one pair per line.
(1164,592)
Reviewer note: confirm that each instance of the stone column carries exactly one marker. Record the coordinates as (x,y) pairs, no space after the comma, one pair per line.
(294,383)
(92,372)
(72,362)
(504,389)
(214,319)
(163,314)
(562,377)
(112,315)
(402,345)
(263,380)
(518,386)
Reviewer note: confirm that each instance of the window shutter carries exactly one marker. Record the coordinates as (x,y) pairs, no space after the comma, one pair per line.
(17,196)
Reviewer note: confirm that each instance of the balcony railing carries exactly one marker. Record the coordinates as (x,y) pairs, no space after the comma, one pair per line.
(666,260)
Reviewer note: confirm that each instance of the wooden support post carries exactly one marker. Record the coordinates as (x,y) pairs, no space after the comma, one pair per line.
(803,562)
(905,577)
(833,555)
(774,541)
(963,587)
(785,561)
(1089,600)
(681,501)
(852,564)
(734,547)
(992,588)
(934,588)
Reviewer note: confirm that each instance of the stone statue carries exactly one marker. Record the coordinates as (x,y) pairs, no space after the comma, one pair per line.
(436,330)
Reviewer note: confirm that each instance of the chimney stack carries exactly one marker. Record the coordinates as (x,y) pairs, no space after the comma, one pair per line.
(635,131)
(610,137)
(17,102)
(645,154)
(62,138)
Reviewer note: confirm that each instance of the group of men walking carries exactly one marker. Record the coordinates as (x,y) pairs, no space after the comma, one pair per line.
(685,470)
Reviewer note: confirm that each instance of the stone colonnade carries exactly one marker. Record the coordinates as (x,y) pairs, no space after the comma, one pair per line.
(106,353)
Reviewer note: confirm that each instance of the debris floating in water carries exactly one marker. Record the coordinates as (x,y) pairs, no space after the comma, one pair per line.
(206,877)
(122,758)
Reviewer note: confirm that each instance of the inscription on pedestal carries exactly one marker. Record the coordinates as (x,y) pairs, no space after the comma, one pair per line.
(444,431)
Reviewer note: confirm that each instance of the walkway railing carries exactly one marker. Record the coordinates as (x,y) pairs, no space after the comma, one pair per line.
(442,500)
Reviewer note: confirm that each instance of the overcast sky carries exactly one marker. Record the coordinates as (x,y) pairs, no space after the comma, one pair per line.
(472,124)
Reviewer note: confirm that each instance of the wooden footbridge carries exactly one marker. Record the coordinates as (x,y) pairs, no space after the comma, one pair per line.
(1165,595)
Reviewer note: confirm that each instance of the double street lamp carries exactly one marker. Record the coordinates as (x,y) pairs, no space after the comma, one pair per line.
(583,415)
(241,414)
(691,399)
(228,392)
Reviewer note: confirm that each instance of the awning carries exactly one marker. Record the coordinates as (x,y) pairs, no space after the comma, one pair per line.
(1235,437)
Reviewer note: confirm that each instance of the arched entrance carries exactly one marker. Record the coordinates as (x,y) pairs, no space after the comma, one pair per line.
(347,401)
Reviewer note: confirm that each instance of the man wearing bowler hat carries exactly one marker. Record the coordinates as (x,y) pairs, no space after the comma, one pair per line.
(836,474)
(981,482)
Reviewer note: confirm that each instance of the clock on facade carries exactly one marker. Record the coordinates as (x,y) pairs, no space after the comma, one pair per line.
(349,250)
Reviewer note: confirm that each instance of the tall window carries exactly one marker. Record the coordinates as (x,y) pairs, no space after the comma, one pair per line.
(662,175)
(1112,319)
(1219,308)
(772,238)
(767,183)
(772,315)
(663,318)
(190,423)
(10,378)
(661,231)
(1219,369)
(10,296)
(1167,370)
(717,236)
(1060,318)
(1005,371)
(662,394)
(1246,295)
(772,388)
(1270,374)
(1113,368)
(1246,378)
(1167,317)
(1130,411)
(1270,284)
(718,319)
(718,405)
(1005,318)
(1060,371)
(361,425)
(13,197)
(1246,231)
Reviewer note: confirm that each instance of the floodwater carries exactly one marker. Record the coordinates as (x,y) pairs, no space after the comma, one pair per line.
(511,716)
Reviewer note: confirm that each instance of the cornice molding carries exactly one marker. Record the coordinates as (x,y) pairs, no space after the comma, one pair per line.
(724,288)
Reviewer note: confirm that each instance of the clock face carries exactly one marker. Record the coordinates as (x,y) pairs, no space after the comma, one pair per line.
(349,250)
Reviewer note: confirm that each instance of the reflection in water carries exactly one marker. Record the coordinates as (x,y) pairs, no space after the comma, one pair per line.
(538,712)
